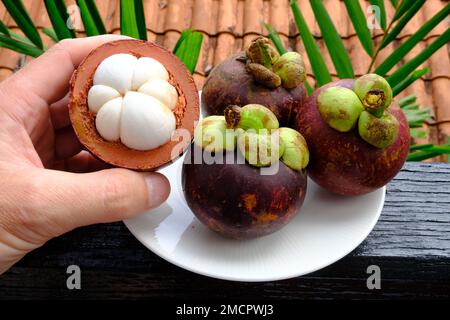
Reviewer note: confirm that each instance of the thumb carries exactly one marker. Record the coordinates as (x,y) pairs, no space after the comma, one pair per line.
(74,200)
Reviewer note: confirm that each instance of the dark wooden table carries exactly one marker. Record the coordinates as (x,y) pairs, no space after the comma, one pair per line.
(410,243)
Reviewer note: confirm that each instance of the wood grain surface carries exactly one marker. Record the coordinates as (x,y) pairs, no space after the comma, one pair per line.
(410,243)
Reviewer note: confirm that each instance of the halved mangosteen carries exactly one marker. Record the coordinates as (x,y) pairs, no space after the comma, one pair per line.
(129,101)
(244,176)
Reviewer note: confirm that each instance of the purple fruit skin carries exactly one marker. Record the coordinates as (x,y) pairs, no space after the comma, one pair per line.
(344,163)
(230,84)
(238,202)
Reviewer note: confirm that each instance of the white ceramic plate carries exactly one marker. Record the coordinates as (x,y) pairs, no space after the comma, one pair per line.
(327,228)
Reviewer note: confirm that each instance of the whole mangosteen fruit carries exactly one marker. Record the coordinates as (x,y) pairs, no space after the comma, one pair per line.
(357,143)
(243,176)
(259,75)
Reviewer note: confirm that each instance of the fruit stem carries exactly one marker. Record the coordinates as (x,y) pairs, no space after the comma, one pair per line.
(260,51)
(374,102)
(263,75)
(232,116)
(261,56)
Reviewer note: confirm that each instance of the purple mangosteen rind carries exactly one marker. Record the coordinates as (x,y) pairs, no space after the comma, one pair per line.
(342,162)
(235,200)
(223,179)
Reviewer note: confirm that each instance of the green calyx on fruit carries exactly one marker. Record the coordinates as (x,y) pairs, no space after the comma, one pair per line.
(340,108)
(290,67)
(254,129)
(295,154)
(260,149)
(250,116)
(263,75)
(213,135)
(374,92)
(379,132)
(260,51)
(376,126)
(272,70)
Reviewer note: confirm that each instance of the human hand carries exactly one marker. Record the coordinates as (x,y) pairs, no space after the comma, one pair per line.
(37,202)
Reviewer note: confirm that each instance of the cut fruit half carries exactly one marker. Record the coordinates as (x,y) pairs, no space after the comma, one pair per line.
(133,104)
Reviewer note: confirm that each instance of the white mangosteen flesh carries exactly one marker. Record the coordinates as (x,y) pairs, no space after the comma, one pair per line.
(148,69)
(161,90)
(133,101)
(116,72)
(99,95)
(146,123)
(108,119)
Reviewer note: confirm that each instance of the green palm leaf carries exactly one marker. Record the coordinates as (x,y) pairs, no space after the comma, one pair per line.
(309,88)
(402,8)
(428,152)
(318,65)
(181,39)
(23,20)
(411,65)
(4,29)
(333,41)
(96,16)
(128,21)
(59,21)
(51,34)
(273,35)
(420,146)
(21,38)
(394,3)
(413,106)
(410,80)
(62,8)
(19,46)
(417,133)
(407,100)
(416,118)
(360,24)
(92,21)
(406,47)
(140,19)
(402,23)
(187,49)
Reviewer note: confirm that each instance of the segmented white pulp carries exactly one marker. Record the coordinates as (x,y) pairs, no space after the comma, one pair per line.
(133,101)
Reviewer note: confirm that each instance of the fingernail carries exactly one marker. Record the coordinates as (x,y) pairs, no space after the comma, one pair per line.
(158,188)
